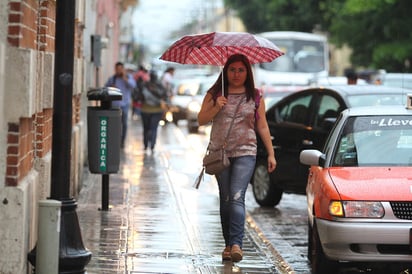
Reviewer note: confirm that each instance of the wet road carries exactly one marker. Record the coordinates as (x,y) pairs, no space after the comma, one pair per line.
(285,228)
(159,224)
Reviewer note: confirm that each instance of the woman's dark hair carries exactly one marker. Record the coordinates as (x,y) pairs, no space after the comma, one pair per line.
(216,89)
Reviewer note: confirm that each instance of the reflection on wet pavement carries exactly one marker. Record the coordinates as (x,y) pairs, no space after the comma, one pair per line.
(158,223)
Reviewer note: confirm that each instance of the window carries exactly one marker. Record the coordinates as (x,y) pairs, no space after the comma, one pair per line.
(375,141)
(297,111)
(329,109)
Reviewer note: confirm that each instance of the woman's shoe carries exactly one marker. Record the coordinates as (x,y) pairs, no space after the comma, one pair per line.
(236,253)
(226,256)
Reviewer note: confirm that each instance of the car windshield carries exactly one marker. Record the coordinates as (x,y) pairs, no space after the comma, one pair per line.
(356,100)
(375,141)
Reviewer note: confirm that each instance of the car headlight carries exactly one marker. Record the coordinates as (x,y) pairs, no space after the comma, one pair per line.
(356,209)
(194,107)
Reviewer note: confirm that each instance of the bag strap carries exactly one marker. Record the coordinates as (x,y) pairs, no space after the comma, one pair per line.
(230,127)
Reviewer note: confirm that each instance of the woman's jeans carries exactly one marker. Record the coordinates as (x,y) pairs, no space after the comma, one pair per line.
(150,125)
(233,183)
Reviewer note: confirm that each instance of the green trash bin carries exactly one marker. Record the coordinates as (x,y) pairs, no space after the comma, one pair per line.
(104,129)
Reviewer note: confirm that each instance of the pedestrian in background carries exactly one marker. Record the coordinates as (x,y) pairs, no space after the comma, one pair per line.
(167,80)
(241,144)
(352,77)
(153,107)
(125,83)
(141,76)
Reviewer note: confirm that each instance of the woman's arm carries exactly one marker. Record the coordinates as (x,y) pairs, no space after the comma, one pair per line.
(263,130)
(210,108)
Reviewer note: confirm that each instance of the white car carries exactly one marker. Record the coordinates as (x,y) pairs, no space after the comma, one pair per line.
(359,191)
(403,80)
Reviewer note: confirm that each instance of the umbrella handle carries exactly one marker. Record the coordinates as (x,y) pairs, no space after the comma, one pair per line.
(223,82)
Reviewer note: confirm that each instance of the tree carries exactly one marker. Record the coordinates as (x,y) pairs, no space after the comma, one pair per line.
(377,30)
(270,15)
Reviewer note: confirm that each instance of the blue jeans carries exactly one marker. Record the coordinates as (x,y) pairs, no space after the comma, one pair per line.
(150,125)
(233,183)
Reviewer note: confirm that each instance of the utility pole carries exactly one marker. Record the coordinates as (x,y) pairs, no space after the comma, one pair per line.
(73,257)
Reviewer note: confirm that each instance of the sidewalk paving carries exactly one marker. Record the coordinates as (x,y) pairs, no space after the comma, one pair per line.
(157,222)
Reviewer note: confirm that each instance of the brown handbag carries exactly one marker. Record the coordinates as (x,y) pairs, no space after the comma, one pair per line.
(215,161)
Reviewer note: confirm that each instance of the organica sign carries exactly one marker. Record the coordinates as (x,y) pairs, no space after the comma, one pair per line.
(103,144)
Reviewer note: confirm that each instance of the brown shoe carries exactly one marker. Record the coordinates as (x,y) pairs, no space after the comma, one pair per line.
(237,253)
(226,256)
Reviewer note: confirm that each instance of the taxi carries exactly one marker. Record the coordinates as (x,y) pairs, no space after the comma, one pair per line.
(359,190)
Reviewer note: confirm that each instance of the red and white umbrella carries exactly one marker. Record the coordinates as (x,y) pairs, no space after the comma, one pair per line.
(214,48)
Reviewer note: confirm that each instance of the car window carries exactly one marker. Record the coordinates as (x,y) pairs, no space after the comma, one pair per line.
(328,109)
(375,141)
(297,110)
(375,100)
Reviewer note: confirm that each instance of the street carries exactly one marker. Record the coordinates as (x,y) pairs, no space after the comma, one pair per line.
(283,226)
(159,223)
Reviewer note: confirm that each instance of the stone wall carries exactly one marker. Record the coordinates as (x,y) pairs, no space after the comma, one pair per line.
(27,42)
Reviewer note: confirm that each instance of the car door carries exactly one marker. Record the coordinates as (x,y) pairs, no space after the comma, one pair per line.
(290,126)
(326,110)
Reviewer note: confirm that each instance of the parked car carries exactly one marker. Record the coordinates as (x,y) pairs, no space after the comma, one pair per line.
(336,80)
(359,190)
(301,121)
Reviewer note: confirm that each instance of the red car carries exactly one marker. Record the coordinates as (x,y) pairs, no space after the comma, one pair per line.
(359,190)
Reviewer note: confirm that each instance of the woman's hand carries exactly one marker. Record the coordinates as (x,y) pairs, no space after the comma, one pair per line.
(221,101)
(210,108)
(271,163)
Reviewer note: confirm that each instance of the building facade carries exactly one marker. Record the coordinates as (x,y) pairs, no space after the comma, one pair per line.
(27,46)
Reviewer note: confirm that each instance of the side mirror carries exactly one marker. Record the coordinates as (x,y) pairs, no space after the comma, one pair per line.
(312,157)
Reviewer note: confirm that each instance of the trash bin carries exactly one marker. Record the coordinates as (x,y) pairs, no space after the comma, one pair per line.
(104,131)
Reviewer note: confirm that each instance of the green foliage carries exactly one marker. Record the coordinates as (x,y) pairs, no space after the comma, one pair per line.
(270,15)
(377,30)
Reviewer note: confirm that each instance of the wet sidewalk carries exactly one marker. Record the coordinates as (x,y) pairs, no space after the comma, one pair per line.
(157,222)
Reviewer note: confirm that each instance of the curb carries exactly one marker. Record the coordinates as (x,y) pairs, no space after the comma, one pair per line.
(258,236)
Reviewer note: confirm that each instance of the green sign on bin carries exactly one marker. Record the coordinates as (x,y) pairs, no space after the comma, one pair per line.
(103,144)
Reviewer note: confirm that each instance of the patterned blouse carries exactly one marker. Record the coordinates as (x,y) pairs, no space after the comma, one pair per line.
(242,138)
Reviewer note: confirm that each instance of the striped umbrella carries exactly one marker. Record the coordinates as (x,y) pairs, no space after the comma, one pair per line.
(214,48)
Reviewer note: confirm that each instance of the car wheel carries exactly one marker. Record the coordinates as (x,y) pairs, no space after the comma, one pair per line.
(319,262)
(266,193)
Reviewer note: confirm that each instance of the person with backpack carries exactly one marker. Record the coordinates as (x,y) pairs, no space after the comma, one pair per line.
(141,76)
(237,107)
(153,107)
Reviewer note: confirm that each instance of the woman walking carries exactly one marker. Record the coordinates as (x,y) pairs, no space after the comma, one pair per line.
(240,94)
(154,102)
